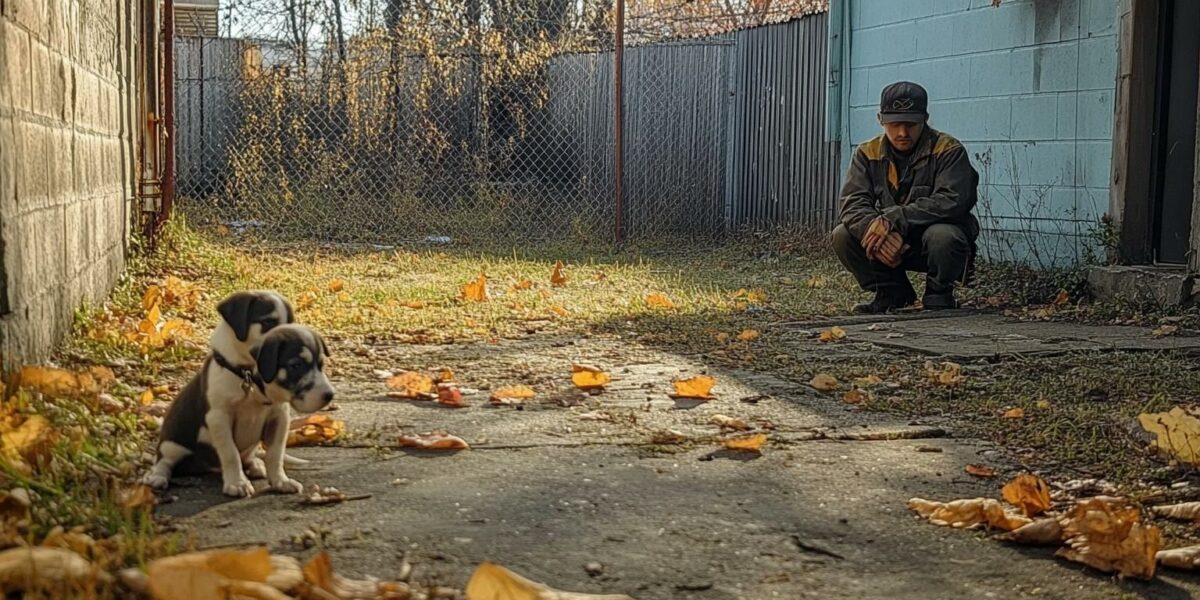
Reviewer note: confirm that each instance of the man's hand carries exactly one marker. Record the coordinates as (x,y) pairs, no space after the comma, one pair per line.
(877,232)
(891,250)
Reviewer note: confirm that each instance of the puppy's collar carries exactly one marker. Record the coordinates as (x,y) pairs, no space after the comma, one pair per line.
(249,375)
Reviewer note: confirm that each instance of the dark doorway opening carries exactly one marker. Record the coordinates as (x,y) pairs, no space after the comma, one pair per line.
(1174,149)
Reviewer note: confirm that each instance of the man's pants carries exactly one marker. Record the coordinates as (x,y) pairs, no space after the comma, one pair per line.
(940,250)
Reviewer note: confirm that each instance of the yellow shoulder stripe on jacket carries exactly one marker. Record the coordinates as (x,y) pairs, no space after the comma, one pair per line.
(873,148)
(945,144)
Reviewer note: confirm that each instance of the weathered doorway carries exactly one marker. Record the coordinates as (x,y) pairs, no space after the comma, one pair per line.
(1175,129)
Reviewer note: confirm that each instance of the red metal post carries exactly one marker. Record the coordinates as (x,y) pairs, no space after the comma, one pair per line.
(168,112)
(619,119)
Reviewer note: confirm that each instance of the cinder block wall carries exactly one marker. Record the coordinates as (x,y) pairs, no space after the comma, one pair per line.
(67,98)
(1028,86)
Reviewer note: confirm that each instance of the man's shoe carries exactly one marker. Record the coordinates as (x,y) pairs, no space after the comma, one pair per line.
(944,301)
(883,303)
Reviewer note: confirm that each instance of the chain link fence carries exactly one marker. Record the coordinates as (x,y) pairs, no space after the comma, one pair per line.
(389,122)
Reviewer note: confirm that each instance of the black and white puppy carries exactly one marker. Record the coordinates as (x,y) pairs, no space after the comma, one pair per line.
(198,429)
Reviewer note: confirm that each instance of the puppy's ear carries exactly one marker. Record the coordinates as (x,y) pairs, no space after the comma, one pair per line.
(236,311)
(266,357)
(321,343)
(287,307)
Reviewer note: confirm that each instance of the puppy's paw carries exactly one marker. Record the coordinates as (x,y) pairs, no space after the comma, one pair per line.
(256,468)
(285,485)
(239,488)
(156,481)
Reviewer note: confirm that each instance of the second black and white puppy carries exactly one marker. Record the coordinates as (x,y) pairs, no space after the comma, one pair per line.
(214,427)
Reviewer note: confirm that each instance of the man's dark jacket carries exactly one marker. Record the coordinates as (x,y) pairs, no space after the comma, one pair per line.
(938,186)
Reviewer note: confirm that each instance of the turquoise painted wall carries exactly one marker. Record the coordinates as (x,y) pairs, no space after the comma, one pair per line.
(1028,87)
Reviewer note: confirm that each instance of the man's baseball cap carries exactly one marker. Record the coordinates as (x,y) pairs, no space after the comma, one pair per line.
(903,102)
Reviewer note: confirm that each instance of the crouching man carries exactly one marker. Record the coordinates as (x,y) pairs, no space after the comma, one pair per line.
(906,206)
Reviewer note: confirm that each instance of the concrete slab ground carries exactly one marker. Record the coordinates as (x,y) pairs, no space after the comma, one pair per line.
(574,479)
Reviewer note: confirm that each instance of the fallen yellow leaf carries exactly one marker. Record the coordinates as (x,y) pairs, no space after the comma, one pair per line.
(824,382)
(980,471)
(1014,413)
(136,496)
(815,281)
(433,440)
(726,422)
(1029,493)
(1043,532)
(411,384)
(213,574)
(1187,511)
(967,513)
(753,443)
(1109,536)
(493,582)
(47,570)
(868,381)
(557,279)
(318,572)
(558,310)
(586,377)
(31,441)
(1177,433)
(523,284)
(448,395)
(445,375)
(513,394)
(314,429)
(748,335)
(147,398)
(336,285)
(343,296)
(659,300)
(475,291)
(699,386)
(1165,330)
(948,374)
(855,396)
(1063,298)
(832,334)
(1187,559)
(151,298)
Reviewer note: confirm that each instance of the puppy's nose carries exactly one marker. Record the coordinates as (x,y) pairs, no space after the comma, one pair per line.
(327,397)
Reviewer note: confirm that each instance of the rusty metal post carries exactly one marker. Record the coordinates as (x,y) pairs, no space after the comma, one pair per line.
(168,111)
(619,120)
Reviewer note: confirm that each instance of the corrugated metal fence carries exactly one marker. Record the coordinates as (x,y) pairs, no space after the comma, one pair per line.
(723,133)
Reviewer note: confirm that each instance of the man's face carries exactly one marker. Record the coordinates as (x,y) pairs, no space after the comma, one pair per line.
(903,136)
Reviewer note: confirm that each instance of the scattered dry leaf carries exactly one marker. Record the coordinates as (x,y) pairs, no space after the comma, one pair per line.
(523,284)
(1108,536)
(855,396)
(868,381)
(948,373)
(1043,532)
(1165,330)
(832,334)
(668,437)
(137,496)
(969,512)
(318,495)
(1014,413)
(413,304)
(47,569)
(30,442)
(980,471)
(559,310)
(336,285)
(475,291)
(493,582)
(1177,433)
(557,279)
(450,396)
(727,422)
(147,398)
(748,335)
(1062,299)
(699,386)
(513,394)
(1187,559)
(1029,493)
(586,377)
(824,382)
(816,282)
(433,440)
(314,429)
(1187,511)
(753,443)
(213,574)
(659,300)
(721,337)
(411,384)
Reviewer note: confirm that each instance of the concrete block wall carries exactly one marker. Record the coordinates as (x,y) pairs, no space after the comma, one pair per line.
(1029,88)
(67,94)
